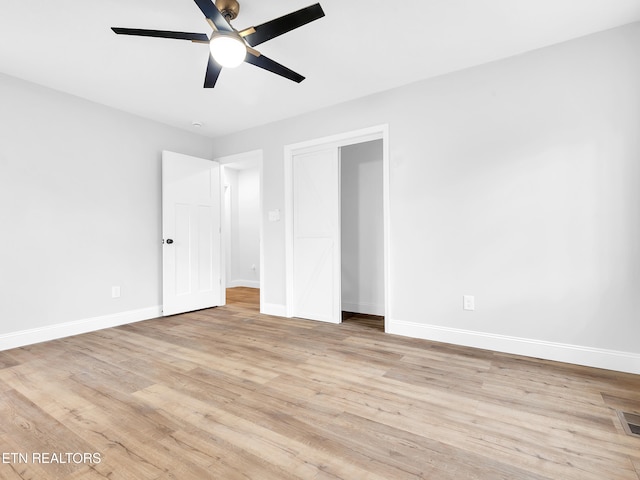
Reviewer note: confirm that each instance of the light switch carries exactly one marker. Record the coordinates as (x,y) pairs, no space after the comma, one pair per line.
(274,215)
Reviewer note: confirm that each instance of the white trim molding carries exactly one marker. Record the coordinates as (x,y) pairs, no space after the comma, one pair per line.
(244,283)
(67,329)
(579,355)
(274,309)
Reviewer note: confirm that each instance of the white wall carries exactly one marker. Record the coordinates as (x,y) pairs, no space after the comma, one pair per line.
(362,228)
(248,264)
(230,182)
(516,182)
(80,212)
(243,247)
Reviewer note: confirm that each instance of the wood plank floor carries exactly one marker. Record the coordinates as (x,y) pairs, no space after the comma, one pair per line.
(228,393)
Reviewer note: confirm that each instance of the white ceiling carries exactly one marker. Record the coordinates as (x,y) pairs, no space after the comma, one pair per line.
(358,48)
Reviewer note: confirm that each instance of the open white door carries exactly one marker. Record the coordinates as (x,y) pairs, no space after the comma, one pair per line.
(191,247)
(316,236)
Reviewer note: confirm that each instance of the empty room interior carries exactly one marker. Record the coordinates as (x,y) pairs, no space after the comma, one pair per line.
(348,240)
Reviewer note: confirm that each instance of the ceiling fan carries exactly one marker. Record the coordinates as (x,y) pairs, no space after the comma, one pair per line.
(230,47)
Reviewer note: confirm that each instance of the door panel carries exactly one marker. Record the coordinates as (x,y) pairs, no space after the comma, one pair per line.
(191,220)
(206,241)
(181,249)
(316,236)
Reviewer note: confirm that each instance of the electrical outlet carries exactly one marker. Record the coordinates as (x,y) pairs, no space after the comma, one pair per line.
(115,292)
(468,302)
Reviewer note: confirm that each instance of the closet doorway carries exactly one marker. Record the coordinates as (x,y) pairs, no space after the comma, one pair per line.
(241,178)
(362,231)
(329,272)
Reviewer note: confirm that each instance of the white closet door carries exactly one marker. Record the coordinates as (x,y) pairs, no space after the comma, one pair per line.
(316,236)
(191,250)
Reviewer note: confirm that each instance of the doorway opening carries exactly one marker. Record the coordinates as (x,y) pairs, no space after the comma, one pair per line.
(241,178)
(243,300)
(362,233)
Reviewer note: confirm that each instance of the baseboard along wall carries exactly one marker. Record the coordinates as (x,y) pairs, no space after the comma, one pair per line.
(275,309)
(243,283)
(67,329)
(579,355)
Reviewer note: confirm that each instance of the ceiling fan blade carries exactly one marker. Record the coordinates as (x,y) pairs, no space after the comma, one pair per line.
(213,71)
(212,13)
(194,37)
(284,24)
(268,64)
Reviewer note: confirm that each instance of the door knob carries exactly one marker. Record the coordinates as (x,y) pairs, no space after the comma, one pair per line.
(169,241)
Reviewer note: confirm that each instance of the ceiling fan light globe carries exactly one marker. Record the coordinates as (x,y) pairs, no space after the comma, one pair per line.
(228,51)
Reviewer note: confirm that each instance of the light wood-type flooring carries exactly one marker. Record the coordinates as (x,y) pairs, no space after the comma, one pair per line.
(228,393)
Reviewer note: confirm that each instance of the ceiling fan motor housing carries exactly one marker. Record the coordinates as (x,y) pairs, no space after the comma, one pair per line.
(228,8)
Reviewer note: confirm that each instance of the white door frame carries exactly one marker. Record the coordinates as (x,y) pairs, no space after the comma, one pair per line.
(340,140)
(253,156)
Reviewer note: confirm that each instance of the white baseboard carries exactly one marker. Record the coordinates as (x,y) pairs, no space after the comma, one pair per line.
(67,329)
(274,309)
(366,308)
(592,357)
(244,283)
